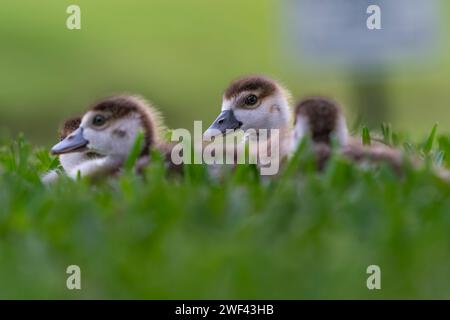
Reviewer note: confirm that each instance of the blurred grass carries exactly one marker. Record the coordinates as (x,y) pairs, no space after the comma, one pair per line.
(179,54)
(303,235)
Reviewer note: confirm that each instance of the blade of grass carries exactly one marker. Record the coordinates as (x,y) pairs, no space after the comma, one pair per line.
(429,143)
(135,152)
(386,131)
(366,140)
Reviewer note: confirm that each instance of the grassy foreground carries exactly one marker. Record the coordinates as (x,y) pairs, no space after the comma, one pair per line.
(304,235)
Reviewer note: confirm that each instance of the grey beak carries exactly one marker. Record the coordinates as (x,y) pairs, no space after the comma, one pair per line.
(74,142)
(225,121)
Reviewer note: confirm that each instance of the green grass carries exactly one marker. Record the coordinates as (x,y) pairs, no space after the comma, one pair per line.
(303,235)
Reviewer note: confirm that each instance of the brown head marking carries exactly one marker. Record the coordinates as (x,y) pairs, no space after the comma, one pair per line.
(322,114)
(69,126)
(264,85)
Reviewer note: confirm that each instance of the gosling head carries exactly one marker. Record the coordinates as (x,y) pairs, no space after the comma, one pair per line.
(253,102)
(320,118)
(110,128)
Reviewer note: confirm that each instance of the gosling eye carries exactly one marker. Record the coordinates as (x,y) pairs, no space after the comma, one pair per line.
(98,120)
(251,100)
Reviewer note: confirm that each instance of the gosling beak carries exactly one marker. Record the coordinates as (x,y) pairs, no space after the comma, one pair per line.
(225,121)
(74,142)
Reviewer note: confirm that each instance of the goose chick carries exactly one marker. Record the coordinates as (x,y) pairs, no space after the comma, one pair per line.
(108,130)
(321,118)
(253,103)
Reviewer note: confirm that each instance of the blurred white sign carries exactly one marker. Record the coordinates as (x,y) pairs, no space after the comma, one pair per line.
(341,32)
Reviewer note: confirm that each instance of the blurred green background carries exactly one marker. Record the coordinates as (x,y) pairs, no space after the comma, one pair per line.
(147,234)
(180,55)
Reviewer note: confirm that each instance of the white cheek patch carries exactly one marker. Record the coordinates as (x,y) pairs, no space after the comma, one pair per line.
(275,108)
(226,104)
(123,134)
(116,139)
(251,118)
(342,130)
(301,129)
